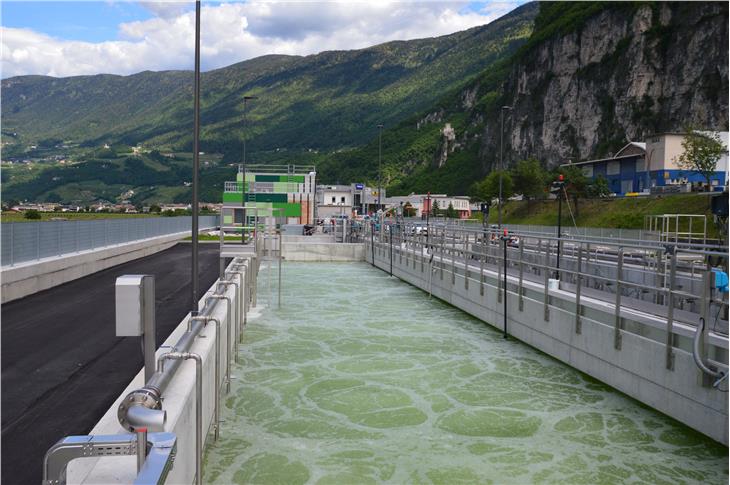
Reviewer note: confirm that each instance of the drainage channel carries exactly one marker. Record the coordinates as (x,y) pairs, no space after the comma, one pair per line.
(361,378)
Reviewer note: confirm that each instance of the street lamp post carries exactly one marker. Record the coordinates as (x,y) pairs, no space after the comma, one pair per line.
(501,162)
(559,189)
(243,183)
(196,164)
(380,154)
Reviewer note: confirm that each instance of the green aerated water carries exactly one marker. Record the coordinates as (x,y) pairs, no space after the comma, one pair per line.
(360,378)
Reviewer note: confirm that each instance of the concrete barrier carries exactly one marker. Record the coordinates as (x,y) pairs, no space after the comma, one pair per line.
(178,401)
(323,252)
(27,278)
(636,369)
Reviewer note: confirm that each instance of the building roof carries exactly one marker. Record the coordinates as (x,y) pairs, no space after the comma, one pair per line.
(609,159)
(632,144)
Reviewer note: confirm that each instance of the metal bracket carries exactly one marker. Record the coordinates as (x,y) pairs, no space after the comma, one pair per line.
(160,457)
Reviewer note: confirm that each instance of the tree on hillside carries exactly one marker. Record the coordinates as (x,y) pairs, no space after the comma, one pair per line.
(451,212)
(576,184)
(701,153)
(529,179)
(488,188)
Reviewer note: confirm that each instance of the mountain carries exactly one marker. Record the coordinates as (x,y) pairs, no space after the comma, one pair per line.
(581,78)
(329,100)
(592,76)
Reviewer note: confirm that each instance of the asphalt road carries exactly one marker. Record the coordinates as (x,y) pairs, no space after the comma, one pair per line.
(63,366)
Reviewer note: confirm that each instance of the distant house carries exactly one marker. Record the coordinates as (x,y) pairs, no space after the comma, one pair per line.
(651,167)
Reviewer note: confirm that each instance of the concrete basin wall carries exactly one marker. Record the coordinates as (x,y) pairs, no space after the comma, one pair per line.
(178,401)
(323,252)
(636,369)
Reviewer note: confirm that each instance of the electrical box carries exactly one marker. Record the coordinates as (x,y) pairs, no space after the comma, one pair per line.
(134,304)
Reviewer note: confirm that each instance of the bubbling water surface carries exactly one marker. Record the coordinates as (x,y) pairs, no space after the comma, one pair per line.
(361,378)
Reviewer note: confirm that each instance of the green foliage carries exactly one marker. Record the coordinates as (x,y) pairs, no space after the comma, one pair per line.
(451,212)
(32,214)
(435,209)
(599,187)
(701,151)
(155,209)
(529,178)
(488,188)
(576,183)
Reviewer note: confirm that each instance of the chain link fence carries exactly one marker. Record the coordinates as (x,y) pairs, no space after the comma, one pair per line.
(30,241)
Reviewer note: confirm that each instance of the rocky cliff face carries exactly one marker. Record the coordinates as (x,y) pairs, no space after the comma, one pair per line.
(622,75)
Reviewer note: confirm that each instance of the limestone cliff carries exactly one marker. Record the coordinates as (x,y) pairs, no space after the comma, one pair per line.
(622,74)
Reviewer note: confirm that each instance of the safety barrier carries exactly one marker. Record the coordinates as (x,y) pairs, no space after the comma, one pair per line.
(30,241)
(628,315)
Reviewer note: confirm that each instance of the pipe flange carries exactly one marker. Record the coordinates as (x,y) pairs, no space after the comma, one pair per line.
(145,397)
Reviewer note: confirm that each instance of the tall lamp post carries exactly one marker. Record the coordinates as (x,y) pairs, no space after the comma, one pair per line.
(380,155)
(196,164)
(501,162)
(558,188)
(243,184)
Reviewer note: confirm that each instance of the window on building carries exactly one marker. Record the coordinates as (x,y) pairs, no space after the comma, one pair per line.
(342,199)
(640,165)
(333,200)
(613,168)
(588,170)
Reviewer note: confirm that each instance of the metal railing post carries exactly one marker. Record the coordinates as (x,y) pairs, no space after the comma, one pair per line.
(520,287)
(453,257)
(141,447)
(12,243)
(546,278)
(466,261)
(617,322)
(670,312)
(482,257)
(578,280)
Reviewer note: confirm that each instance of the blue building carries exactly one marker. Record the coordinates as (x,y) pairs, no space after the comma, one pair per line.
(652,167)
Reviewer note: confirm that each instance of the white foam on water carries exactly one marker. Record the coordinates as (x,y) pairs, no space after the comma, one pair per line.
(361,378)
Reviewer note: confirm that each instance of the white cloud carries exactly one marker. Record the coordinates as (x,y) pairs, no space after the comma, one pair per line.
(232,32)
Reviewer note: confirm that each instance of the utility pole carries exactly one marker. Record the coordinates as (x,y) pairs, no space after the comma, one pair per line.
(501,162)
(559,189)
(243,167)
(380,154)
(196,163)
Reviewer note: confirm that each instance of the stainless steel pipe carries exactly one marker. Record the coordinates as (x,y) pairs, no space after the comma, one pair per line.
(178,356)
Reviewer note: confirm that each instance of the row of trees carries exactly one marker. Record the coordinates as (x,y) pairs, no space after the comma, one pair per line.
(529,178)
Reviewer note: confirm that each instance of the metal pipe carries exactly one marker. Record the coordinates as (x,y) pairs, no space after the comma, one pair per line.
(217,384)
(228,339)
(198,405)
(696,352)
(241,306)
(143,407)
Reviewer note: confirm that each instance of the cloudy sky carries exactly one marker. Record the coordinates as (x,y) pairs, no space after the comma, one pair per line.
(123,37)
